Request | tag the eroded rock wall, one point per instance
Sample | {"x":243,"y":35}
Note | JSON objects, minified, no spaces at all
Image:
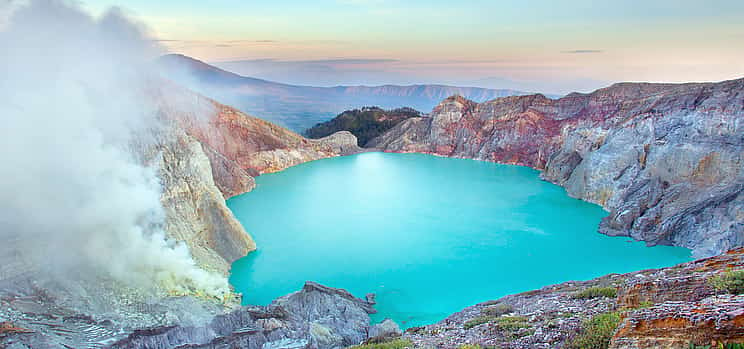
{"x":208,"y":152}
{"x":666,"y":160}
{"x":241,"y":146}
{"x":194,"y":206}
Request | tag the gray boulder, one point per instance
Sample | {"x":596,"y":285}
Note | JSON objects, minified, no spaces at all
{"x":385,"y":330}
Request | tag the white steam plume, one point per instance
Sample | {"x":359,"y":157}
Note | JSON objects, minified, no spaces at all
{"x":74,"y":107}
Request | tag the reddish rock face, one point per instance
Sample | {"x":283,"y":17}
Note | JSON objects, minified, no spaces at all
{"x":207,"y":152}
{"x":241,"y":147}
{"x":666,"y":160}
{"x":687,"y":309}
{"x":687,"y":283}
{"x":8,"y":328}
{"x":713,"y":320}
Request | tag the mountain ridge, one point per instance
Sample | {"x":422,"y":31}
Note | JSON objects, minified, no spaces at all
{"x":300,"y":107}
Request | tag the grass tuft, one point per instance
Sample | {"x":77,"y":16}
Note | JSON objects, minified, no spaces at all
{"x":498,"y":310}
{"x":477,"y":321}
{"x":596,"y":332}
{"x":596,"y":292}
{"x":393,"y":344}
{"x":512,"y":323}
{"x":731,"y":281}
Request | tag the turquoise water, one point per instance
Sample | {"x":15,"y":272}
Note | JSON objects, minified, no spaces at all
{"x":428,"y":235}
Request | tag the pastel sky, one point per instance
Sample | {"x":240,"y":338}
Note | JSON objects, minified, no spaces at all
{"x":542,"y":45}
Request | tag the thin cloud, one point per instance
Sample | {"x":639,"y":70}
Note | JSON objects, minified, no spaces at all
{"x":335,"y":61}
{"x":216,"y":42}
{"x":252,"y":41}
{"x":349,"y":61}
{"x":582,"y":51}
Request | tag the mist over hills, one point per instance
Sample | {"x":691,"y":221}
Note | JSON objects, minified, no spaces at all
{"x":301,"y":107}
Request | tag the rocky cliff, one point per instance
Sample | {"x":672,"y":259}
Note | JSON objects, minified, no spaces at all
{"x":666,"y":160}
{"x":209,"y":152}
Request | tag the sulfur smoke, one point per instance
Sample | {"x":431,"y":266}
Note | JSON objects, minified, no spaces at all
{"x":74,"y":193}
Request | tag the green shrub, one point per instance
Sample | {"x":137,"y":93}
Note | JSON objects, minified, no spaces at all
{"x":394,"y":344}
{"x":731,"y":281}
{"x":366,"y":123}
{"x":469,"y":346}
{"x":506,"y":323}
{"x":477,"y":321}
{"x":498,"y":310}
{"x":512,"y":323}
{"x":596,"y":332}
{"x":596,"y":292}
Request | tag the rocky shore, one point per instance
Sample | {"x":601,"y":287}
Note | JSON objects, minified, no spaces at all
{"x":666,"y":160}
{"x":314,"y":317}
{"x":659,"y":308}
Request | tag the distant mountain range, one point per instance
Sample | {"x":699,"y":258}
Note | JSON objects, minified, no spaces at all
{"x":301,"y":107}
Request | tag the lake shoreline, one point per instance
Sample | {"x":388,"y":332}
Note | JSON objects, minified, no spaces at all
{"x":467,"y":183}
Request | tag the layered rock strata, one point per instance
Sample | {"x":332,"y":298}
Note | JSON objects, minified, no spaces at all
{"x":241,"y":146}
{"x":666,"y":160}
{"x":208,"y":152}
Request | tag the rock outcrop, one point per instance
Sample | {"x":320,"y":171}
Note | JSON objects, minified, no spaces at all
{"x":195,"y":208}
{"x":660,"y":308}
{"x":712,"y":320}
{"x":314,"y":317}
{"x":366,"y":123}
{"x":208,"y":152}
{"x":666,"y":160}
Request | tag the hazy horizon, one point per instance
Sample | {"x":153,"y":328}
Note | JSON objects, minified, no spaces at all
{"x":284,"y":72}
{"x":577,"y":46}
